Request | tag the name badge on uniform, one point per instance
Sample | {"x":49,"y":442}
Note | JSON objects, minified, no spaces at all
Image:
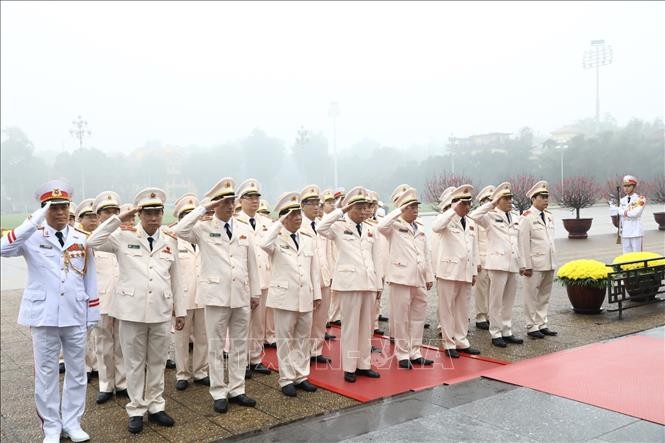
{"x":403,"y":230}
{"x":134,"y":246}
{"x":498,"y":220}
{"x":183,"y":251}
{"x":347,"y":232}
{"x":215,"y":234}
{"x":46,"y":246}
{"x":284,"y":247}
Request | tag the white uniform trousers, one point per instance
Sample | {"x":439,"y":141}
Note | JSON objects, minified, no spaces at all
{"x":537,"y":291}
{"x":454,"y":312}
{"x":46,"y":344}
{"x":195,"y":327}
{"x":218,"y":320}
{"x":408,"y":308}
{"x":481,"y":293}
{"x":319,"y":320}
{"x":257,"y":330}
{"x":109,"y":355}
{"x":631,"y":244}
{"x":270,"y":334}
{"x":143,"y":348}
{"x":91,"y":351}
{"x":503,"y":287}
{"x":335,"y":308}
{"x":293,"y":330}
{"x":357,"y":308}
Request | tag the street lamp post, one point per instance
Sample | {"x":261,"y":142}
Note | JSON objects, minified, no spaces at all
{"x":301,"y":140}
{"x":79,"y":131}
{"x":333,"y":113}
{"x":600,"y":54}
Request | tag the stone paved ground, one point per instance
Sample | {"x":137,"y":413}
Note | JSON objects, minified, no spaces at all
{"x":192,"y":408}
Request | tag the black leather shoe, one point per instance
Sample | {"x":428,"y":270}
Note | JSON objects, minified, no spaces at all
{"x":392,"y":339}
{"x":205,"y":381}
{"x":225,"y":355}
{"x":405,"y":364}
{"x":306,"y":386}
{"x":422,"y":361}
{"x":337,"y":322}
{"x":452,"y":353}
{"x":220,"y":405}
{"x":368,"y":373}
{"x":61,"y":367}
{"x":243,"y":400}
{"x":549,"y":332}
{"x":426,"y":326}
{"x":103,"y":397}
{"x":122,"y":393}
{"x":536,"y":334}
{"x":329,"y":337}
{"x":382,"y":318}
{"x":513,"y":340}
{"x":170,"y":364}
{"x":270,"y":345}
{"x":94,"y":374}
{"x":320,"y":359}
{"x":499,"y":342}
{"x":191,"y":346}
{"x":350,"y":377}
{"x":469,"y":350}
{"x":379,"y":332}
{"x":88,"y":376}
{"x":135,"y":424}
{"x":289,"y":390}
{"x":260,"y":369}
{"x":248,"y":373}
{"x":181,"y":385}
{"x":484,"y":325}
{"x":327,"y":325}
{"x":161,"y":418}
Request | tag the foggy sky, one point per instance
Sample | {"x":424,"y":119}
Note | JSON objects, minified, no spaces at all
{"x":403,"y":73}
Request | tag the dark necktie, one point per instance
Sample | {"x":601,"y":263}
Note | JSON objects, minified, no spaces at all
{"x":313,"y":226}
{"x":628,"y":199}
{"x":228,"y":230}
{"x":193,"y":247}
{"x":60,"y":239}
{"x":463,"y":221}
{"x":150,"y":240}
{"x":360,"y":231}
{"x":252,"y":222}
{"x":295,"y":240}
{"x":508,"y":217}
{"x":542,"y":217}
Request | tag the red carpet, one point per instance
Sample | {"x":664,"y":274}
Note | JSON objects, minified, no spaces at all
{"x":394,"y":380}
{"x":624,"y":375}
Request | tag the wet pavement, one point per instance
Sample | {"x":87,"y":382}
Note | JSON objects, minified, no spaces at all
{"x":478,"y":410}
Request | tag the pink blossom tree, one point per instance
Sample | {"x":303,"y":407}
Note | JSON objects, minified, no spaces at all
{"x":578,"y":193}
{"x":435,"y":185}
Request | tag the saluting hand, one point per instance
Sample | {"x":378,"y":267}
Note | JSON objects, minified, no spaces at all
{"x":179,"y":323}
{"x":128,"y":216}
{"x":213,"y":204}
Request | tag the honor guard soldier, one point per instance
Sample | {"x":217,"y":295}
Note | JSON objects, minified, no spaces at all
{"x":112,"y":376}
{"x":261,"y":323}
{"x":481,"y":290}
{"x":502,"y":263}
{"x":409,"y":276}
{"x":310,"y":202}
{"x":295,"y":290}
{"x":86,"y":219}
{"x":537,"y":260}
{"x":149,"y":291}
{"x":328,"y":204}
{"x":630,"y":212}
{"x":59,"y":303}
{"x":456,"y":269}
{"x":195,"y":326}
{"x":355,"y":279}
{"x":228,"y":289}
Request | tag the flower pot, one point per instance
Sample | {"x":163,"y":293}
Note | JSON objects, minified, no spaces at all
{"x":585,"y":299}
{"x":643,"y":288}
{"x":615,"y":220}
{"x":577,"y":227}
{"x":660,"y":219}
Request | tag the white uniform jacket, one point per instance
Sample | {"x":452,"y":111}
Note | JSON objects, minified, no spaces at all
{"x":107,"y":279}
{"x":356,"y":254}
{"x":229,"y":272}
{"x":62,"y":282}
{"x":631,"y":225}
{"x":321,"y":247}
{"x":409,"y":262}
{"x":295,"y":272}
{"x":262,"y":259}
{"x":457,"y":250}
{"x":536,"y":241}
{"x":149,"y":287}
{"x":190,"y":265}
{"x":502,"y":247}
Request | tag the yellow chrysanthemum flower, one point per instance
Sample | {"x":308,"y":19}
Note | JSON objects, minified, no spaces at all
{"x":583,"y":269}
{"x":633,"y":256}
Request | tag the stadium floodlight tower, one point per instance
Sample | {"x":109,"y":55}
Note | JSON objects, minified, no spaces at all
{"x":600,"y":54}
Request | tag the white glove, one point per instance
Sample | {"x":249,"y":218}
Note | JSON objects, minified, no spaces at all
{"x":37,"y":217}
